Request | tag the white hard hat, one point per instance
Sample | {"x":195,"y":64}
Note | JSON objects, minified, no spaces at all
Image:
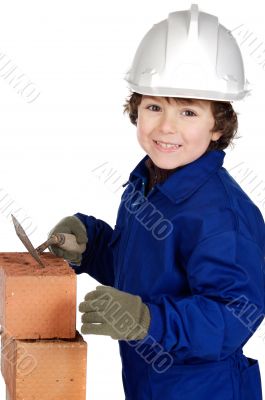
{"x":189,"y":55}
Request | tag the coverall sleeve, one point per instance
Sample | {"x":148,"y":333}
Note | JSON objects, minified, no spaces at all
{"x":97,"y":260}
{"x":226,"y":277}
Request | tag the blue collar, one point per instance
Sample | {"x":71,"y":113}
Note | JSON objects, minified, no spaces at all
{"x":183,"y":182}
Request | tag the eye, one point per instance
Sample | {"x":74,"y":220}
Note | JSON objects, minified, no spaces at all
{"x":189,"y":113}
{"x":153,"y":105}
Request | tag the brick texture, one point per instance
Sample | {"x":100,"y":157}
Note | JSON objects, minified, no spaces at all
{"x":37,"y":303}
{"x":44,"y":369}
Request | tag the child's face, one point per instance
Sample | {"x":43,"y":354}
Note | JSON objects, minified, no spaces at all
{"x":176,"y":123}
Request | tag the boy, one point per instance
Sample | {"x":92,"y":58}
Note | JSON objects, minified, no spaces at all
{"x":183,"y":269}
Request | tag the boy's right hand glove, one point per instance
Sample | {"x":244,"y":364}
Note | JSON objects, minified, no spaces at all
{"x":74,"y":226}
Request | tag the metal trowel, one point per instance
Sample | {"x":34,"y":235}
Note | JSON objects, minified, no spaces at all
{"x":65,"y":241}
{"x":25,"y":240}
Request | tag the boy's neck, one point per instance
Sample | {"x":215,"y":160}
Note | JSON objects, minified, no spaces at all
{"x":156,"y":174}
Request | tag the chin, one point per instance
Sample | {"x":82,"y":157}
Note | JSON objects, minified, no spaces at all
{"x":165,"y":165}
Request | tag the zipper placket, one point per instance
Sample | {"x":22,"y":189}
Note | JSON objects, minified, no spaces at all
{"x":130,"y":222}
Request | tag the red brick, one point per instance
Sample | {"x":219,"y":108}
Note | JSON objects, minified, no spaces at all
{"x":47,"y":369}
{"x":37,"y":302}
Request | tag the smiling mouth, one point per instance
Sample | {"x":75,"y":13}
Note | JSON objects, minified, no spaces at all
{"x":167,"y":146}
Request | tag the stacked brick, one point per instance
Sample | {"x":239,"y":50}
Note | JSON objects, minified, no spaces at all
{"x":42,"y":355}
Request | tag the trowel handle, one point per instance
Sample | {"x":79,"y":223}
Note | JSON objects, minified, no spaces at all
{"x":65,"y":241}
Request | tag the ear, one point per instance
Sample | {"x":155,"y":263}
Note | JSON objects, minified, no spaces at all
{"x":216,"y":136}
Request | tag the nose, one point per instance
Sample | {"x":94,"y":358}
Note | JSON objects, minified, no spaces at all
{"x":168,"y":123}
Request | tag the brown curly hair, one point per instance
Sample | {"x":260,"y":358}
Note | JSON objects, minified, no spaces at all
{"x":224,"y":115}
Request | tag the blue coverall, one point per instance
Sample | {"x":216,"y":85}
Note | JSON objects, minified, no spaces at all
{"x":193,"y":249}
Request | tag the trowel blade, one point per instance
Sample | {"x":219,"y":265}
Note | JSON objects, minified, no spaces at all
{"x":25,"y":240}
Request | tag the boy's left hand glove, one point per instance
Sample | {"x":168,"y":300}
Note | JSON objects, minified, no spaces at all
{"x":112,"y":312}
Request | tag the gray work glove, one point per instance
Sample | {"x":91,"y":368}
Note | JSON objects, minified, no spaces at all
{"x":112,"y":312}
{"x":74,"y":226}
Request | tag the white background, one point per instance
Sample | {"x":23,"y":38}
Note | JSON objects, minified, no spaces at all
{"x":76,"y":54}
